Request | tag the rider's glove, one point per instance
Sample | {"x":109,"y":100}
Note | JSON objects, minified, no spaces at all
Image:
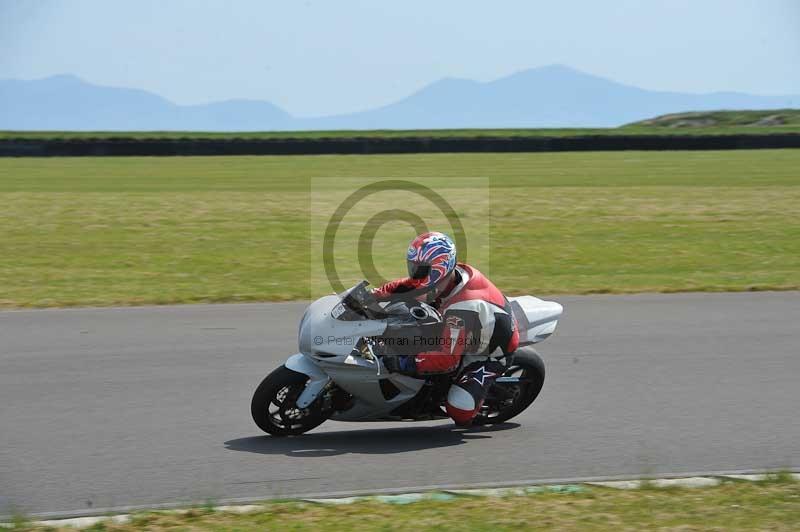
{"x":400,"y":364}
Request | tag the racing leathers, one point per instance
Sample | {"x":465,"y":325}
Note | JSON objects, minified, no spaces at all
{"x":477,"y":321}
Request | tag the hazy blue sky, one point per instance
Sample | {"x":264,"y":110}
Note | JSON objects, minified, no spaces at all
{"x":322,"y":57}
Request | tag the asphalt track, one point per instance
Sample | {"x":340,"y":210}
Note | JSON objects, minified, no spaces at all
{"x":105,"y":408}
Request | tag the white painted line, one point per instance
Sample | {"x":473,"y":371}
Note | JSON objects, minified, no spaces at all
{"x":404,"y":498}
{"x":687,"y":482}
{"x":751,"y":478}
{"x":491,"y":492}
{"x":85,"y":522}
{"x":241,"y":509}
{"x":690,"y":482}
{"x":340,"y":500}
{"x":759,"y":476}
{"x":619,"y":484}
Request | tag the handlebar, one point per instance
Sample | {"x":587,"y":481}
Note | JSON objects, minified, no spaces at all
{"x":360,"y":301}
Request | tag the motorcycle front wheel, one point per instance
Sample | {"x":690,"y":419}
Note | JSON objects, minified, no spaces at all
{"x":274,"y":405}
{"x":506,"y":400}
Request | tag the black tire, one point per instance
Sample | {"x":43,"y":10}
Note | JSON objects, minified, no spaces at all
{"x":280,"y":389}
{"x":527,"y":362}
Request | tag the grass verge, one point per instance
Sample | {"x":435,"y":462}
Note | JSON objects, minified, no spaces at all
{"x":140,"y":230}
{"x":773,"y":504}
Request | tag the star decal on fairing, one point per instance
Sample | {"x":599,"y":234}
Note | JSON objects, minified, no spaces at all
{"x":480,"y":375}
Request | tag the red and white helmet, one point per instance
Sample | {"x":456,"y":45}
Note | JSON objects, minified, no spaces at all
{"x":431,"y":258}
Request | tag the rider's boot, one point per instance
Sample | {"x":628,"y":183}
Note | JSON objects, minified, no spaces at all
{"x":466,"y":396}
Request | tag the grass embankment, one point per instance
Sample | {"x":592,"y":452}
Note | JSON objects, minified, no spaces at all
{"x":690,"y":123}
{"x":769,"y":505}
{"x":775,"y":120}
{"x":120,"y":231}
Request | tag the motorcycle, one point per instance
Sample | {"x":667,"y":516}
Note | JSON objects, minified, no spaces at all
{"x":339,"y":372}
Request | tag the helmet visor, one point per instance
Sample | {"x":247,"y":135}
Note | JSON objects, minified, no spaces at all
{"x":418,"y":270}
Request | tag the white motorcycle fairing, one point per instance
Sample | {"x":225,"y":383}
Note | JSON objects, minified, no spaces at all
{"x":537,"y":318}
{"x":326,"y":346}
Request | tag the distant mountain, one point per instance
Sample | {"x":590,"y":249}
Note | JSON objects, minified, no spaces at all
{"x":68,"y":103}
{"x":552,"y":96}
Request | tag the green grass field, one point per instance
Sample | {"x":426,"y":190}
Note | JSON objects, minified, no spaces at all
{"x":123,"y":231}
{"x":766,"y":505}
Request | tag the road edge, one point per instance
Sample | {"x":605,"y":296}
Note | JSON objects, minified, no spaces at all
{"x":122,"y":515}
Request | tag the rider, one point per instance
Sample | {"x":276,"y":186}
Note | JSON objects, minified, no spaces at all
{"x":477,"y":321}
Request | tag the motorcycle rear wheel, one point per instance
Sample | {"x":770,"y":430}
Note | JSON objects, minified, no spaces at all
{"x":274,"y":407}
{"x":527,"y":365}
